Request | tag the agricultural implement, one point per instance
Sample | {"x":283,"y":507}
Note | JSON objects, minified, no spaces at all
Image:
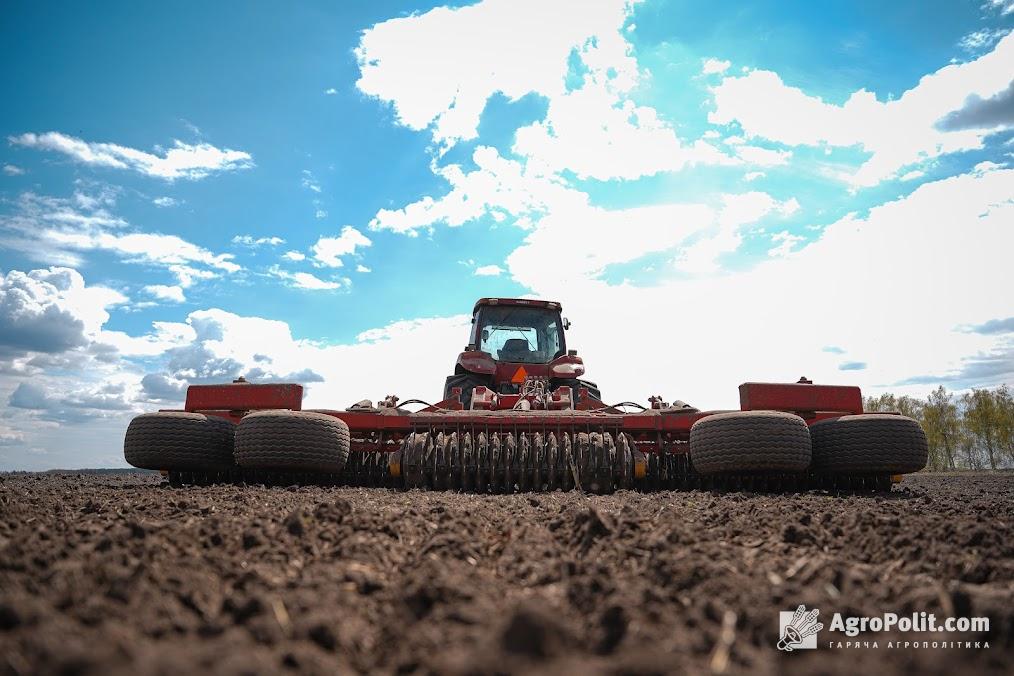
{"x":516,"y":415}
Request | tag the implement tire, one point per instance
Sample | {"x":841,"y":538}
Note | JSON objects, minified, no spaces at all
{"x":870,"y":443}
{"x":301,"y":441}
{"x":750,"y":441}
{"x":179,"y":441}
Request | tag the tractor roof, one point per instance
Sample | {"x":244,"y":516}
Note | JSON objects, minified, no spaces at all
{"x":551,"y":305}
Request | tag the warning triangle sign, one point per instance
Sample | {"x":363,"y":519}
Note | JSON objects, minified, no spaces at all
{"x":519,"y":375}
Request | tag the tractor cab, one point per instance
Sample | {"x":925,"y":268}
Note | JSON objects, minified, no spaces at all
{"x":517,"y":345}
{"x":523,"y":334}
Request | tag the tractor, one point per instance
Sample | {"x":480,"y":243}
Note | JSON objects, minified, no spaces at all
{"x":516,"y":416}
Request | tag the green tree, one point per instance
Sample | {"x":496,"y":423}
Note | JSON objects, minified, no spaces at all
{"x":942,"y":423}
{"x":982,"y":420}
{"x":1005,"y":420}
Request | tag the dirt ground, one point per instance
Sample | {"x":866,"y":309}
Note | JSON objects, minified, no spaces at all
{"x":117,"y":574}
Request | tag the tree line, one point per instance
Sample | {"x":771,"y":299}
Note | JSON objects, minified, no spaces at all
{"x":971,"y":431}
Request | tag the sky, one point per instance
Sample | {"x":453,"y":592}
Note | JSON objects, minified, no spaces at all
{"x":318,"y":192}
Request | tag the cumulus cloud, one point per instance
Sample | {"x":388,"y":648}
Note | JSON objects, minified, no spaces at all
{"x":379,"y":362}
{"x":164,"y":202}
{"x":50,"y":310}
{"x":305,"y":280}
{"x":498,"y":186}
{"x":251,"y":241}
{"x":162,"y":388}
{"x":79,"y":406}
{"x":912,"y":236}
{"x":897,"y":133}
{"x":714,"y":66}
{"x":163,"y":292}
{"x":439,"y":68}
{"x":182,"y":160}
{"x":329,"y":250}
{"x":13,"y":170}
{"x":294,"y":256}
{"x":488,"y":271}
{"x":980,"y":113}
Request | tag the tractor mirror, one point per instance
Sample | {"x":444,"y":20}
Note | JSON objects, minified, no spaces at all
{"x":485,"y":335}
{"x":566,"y":323}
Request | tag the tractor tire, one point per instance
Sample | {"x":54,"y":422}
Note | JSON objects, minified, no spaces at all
{"x":466,"y":381}
{"x":743,"y":442}
{"x":300,"y":441}
{"x":175,"y":440}
{"x":868,"y":444}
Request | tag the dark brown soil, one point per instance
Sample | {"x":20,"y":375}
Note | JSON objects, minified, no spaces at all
{"x":117,"y":574}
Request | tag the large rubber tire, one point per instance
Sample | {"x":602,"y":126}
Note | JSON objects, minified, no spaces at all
{"x":466,"y":381}
{"x":292,"y":441}
{"x":175,"y":440}
{"x":868,"y":444}
{"x":749,"y":441}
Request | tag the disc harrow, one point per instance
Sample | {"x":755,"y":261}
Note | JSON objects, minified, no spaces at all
{"x":517,"y":417}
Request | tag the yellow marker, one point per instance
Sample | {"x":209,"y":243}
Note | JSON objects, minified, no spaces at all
{"x":896,"y":478}
{"x":640,"y":469}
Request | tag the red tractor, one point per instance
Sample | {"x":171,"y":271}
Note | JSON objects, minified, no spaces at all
{"x":516,"y":416}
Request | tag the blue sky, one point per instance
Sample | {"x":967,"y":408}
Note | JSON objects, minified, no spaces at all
{"x":724,"y":193}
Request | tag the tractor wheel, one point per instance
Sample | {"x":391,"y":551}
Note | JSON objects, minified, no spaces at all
{"x":466,"y":381}
{"x":289,"y":441}
{"x":868,"y":444}
{"x":749,"y":441}
{"x":179,"y":441}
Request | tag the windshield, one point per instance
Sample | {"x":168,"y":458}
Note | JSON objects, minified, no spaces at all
{"x":520,"y":334}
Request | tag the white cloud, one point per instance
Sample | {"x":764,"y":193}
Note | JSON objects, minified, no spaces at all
{"x":248,"y":240}
{"x":379,"y":362}
{"x":982,"y":39}
{"x":1003,"y":6}
{"x":154,"y":248}
{"x":329,"y":250}
{"x":753,"y":175}
{"x":597,"y":133}
{"x":182,"y":160}
{"x":726,"y":236}
{"x":498,"y":185}
{"x":363,"y":268}
{"x":164,"y":202}
{"x":59,"y":229}
{"x":310,"y":182}
{"x":330,"y":91}
{"x":714,"y":66}
{"x":911,"y":238}
{"x":320,"y":214}
{"x":51,"y":310}
{"x":163,"y":292}
{"x":763,"y":157}
{"x":787,"y":242}
{"x":13,"y":170}
{"x":305,"y":280}
{"x":488,"y":271}
{"x":164,"y":337}
{"x":898,"y":133}
{"x":439,"y":68}
{"x":294,"y":256}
